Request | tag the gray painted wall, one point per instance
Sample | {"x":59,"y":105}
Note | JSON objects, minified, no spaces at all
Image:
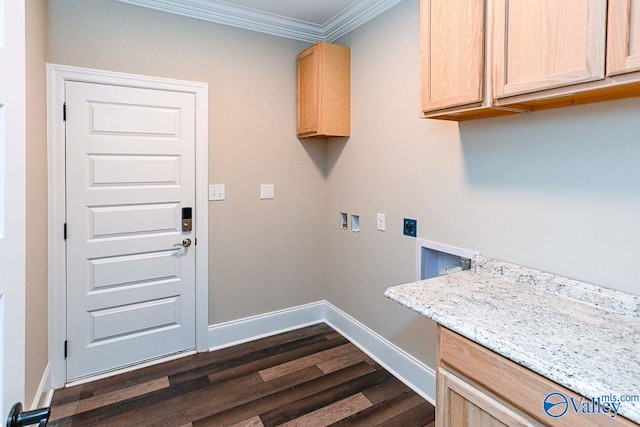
{"x":557,"y":190}
{"x":263,"y":255}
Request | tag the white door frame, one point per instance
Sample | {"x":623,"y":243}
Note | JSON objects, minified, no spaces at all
{"x":12,"y":205}
{"x":57,"y":75}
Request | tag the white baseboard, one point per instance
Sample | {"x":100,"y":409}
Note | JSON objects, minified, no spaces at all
{"x":44,"y":394}
{"x":239,"y":331}
{"x":415,"y":374}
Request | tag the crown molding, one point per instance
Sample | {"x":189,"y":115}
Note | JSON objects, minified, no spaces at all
{"x":255,"y":20}
{"x":354,"y":16}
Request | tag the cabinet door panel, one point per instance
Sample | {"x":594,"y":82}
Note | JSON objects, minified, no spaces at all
{"x":465,"y":413}
{"x":623,"y":43}
{"x":543,"y":44}
{"x":463,"y":405}
{"x":452,"y":44}
{"x":308,"y":92}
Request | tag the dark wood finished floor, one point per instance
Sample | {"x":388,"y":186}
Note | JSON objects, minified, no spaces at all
{"x":308,"y":377}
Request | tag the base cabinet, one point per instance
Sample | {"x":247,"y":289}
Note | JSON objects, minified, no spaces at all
{"x":477,"y":387}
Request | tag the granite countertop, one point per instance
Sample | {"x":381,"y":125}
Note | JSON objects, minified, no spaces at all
{"x":581,"y":336}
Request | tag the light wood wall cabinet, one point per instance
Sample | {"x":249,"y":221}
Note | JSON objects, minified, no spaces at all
{"x":452,"y":41}
{"x":623,"y":54}
{"x":543,"y":44}
{"x":324,"y":95}
{"x":535,"y":54}
{"x":477,"y":387}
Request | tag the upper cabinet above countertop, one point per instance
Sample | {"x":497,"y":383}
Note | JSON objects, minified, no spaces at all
{"x":484,"y":58}
{"x":452,"y":53}
{"x":623,"y":38}
{"x":324,"y":82}
{"x":544,"y":44}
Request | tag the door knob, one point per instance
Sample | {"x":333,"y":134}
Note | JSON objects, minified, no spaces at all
{"x":185,"y":243}
{"x":18,"y":418}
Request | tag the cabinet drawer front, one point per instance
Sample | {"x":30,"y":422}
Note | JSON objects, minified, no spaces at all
{"x":452,"y":44}
{"x":623,"y":38}
{"x":544,"y":44}
{"x":511,"y":382}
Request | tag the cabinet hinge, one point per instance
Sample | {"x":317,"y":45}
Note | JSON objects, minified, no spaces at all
{"x":65,"y":349}
{"x":64,"y":111}
{"x":64,"y":231}
{"x":195,"y":241}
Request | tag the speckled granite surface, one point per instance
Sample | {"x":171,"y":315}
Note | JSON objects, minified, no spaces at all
{"x":581,"y":336}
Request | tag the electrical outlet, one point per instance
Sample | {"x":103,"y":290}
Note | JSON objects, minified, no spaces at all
{"x":410,"y":227}
{"x":381,"y":222}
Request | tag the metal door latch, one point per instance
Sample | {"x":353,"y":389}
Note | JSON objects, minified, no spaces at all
{"x":185,"y":243}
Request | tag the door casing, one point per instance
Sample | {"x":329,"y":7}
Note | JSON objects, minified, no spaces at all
{"x":13,"y":168}
{"x":57,"y":76}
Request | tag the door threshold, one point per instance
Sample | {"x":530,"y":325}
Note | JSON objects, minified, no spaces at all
{"x":130,"y":368}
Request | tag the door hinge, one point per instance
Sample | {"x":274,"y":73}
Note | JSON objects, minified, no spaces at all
{"x":65,"y":349}
{"x":64,"y":231}
{"x":64,"y":111}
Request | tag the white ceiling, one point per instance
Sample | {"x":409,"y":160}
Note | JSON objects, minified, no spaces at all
{"x":306,"y":20}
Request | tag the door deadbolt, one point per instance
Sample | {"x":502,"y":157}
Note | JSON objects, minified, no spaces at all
{"x":187,"y":222}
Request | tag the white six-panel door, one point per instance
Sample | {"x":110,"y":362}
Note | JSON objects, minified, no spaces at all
{"x":130,"y":169}
{"x":12,"y":204}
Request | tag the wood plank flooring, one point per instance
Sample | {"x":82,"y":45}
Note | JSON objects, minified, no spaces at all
{"x":307,"y":377}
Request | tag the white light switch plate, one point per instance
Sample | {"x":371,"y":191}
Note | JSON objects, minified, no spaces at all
{"x":216,"y":192}
{"x":267,"y":191}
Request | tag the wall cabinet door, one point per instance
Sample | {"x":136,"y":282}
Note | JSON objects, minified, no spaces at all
{"x":544,"y":44}
{"x":324,"y":79}
{"x":452,"y":53}
{"x":623,"y":42}
{"x":308,"y":91}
